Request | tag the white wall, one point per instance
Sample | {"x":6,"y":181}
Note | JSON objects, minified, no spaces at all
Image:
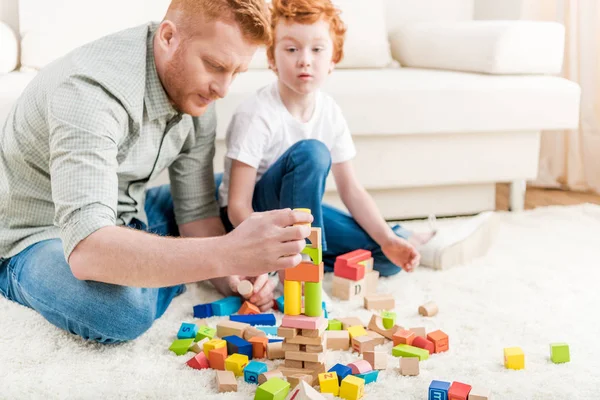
{"x":499,"y":9}
{"x":9,"y":13}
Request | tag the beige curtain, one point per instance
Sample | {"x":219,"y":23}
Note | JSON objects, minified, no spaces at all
{"x":571,"y":159}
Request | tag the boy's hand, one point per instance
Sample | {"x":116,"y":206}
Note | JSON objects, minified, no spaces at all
{"x":262,"y":294}
{"x":401,"y":253}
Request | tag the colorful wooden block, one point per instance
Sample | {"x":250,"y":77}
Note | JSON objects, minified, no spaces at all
{"x":274,"y":350}
{"x":324,"y":307}
{"x":403,"y":336}
{"x":363,"y":343}
{"x":228,"y":328}
{"x":216,"y":358}
{"x":404,"y":350}
{"x":352,"y":388}
{"x":245,"y":288}
{"x":292,"y":292}
{"x":199,"y":361}
{"x":356,"y":331}
{"x":203,"y":310}
{"x":205,"y":332}
{"x":347,"y":289}
{"x":376,"y":325}
{"x":313,"y":305}
{"x":198,"y":347}
{"x":337,"y":340}
{"x":280,"y":303}
{"x":269,"y":330}
{"x":350,"y":321}
{"x":187,"y":331}
{"x":438,"y":390}
{"x":214,"y":344}
{"x":253,"y":370}
{"x":360,"y":367}
{"x":314,"y":239}
{"x":251,"y":332}
{"x":226,"y":381}
{"x":303,"y":391}
{"x":275,"y":339}
{"x":514,"y":358}
{"x":315,"y":254}
{"x":256,"y":319}
{"x":226,"y":306}
{"x":428,"y":309}
{"x":235,"y":344}
{"x":369,"y":377}
{"x":306,"y":271}
{"x":273,"y":389}
{"x":312,"y":333}
{"x":353,"y":272}
{"x":351,"y":259}
{"x":329,"y":383}
{"x":334,"y":325}
{"x":181,"y":346}
{"x":259,"y":346}
{"x":302,"y":322}
{"x":248,"y":309}
{"x":389,"y":319}
{"x":439,"y":340}
{"x":423,"y":344}
{"x":379,"y":302}
{"x":559,"y":353}
{"x":236,"y":363}
{"x":409,"y":366}
{"x":377,"y":359}
{"x":376,"y":337}
{"x":459,"y":391}
{"x":341,"y":370}
{"x":368,"y":264}
{"x":265,"y":376}
{"x":480,"y":393}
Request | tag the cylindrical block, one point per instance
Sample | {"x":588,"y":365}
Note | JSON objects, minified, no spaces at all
{"x":245,"y":288}
{"x":292,"y":297}
{"x":428,"y":309}
{"x":313,"y":306}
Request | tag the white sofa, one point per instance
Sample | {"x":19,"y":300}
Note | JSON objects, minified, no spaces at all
{"x":463,"y":112}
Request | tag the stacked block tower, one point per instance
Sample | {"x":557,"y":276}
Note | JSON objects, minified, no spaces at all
{"x":303,"y":328}
{"x":353,"y":275}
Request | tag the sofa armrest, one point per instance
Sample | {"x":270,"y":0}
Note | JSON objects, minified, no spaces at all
{"x":9,"y":49}
{"x":492,"y":47}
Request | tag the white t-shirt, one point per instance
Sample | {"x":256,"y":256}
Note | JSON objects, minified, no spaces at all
{"x":262,"y":129}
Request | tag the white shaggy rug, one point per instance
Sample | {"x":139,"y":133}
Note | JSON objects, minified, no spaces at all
{"x":538,"y":284}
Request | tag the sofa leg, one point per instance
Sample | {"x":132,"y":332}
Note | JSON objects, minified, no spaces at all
{"x":517,"y":195}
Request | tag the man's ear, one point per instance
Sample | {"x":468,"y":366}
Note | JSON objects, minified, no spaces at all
{"x":168,"y":36}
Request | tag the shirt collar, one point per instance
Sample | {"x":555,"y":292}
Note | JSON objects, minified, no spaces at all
{"x":156,"y":100}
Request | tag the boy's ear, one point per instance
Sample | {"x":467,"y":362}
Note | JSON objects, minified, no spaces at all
{"x":272,"y":65}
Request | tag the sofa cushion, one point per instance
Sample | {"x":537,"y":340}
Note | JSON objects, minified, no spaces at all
{"x":9,"y":49}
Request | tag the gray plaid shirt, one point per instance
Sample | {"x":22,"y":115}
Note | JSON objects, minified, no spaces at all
{"x":85,"y":137}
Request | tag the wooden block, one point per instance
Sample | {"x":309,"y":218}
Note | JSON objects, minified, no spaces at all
{"x":286,"y":371}
{"x":428,"y":309}
{"x":559,"y":353}
{"x":304,"y":391}
{"x":313,"y":333}
{"x":318,"y":367}
{"x":338,"y":340}
{"x":314,"y":239}
{"x":187,"y":331}
{"x":252,"y":332}
{"x":287,"y":333}
{"x":459,"y":391}
{"x":302,"y":340}
{"x":354,"y":272}
{"x":313,"y":304}
{"x":295,"y":379}
{"x":198,"y":347}
{"x":181,"y":346}
{"x":290,"y":346}
{"x":265,"y":376}
{"x":409,"y":366}
{"x":302,"y":321}
{"x":328,"y":382}
{"x":347,"y":289}
{"x":306,"y":271}
{"x":236,"y":363}
{"x":404,"y":350}
{"x":275,"y":351}
{"x":199,"y":361}
{"x":216,"y":358}
{"x":376,"y":324}
{"x":403,"y":336}
{"x":377,"y":359}
{"x":293,"y":363}
{"x":360,"y":367}
{"x":356,"y":331}
{"x":379,"y":302}
{"x":352,"y":388}
{"x":363,"y":343}
{"x":230,"y":328}
{"x":334,"y":325}
{"x":350,"y":321}
{"x":315,"y":254}
{"x":377,"y":338}
{"x":255,"y":319}
{"x":253,"y":370}
{"x":423,"y":344}
{"x":514,"y":358}
{"x":226,"y":306}
{"x":389,"y":319}
{"x":205,"y":332}
{"x":300,"y":356}
{"x":369,"y":377}
{"x":438,"y":389}
{"x":248,"y":309}
{"x":420,"y":331}
{"x":245,"y":289}
{"x":305,"y":210}
{"x":292,"y":293}
{"x":480,"y":393}
{"x":226,"y":381}
{"x":371,"y":282}
{"x":214,"y":344}
{"x":439,"y":340}
{"x":353,"y":257}
{"x":368,"y":264}
{"x":259,"y":346}
{"x":315,"y":349}
{"x":273,"y":389}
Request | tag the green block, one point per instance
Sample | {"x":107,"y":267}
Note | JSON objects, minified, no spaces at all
{"x":313,"y":306}
{"x":316,"y":255}
{"x":334,"y":325}
{"x":389,"y":319}
{"x":181,"y":346}
{"x":273,"y":389}
{"x":559,"y":353}
{"x":205,"y":332}
{"x":404,"y":350}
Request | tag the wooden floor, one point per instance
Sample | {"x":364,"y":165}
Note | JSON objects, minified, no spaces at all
{"x":536,"y":197}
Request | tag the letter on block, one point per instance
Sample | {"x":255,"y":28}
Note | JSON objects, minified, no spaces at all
{"x":187,"y":331}
{"x":329,"y":383}
{"x":438,"y":390}
{"x":236,"y":363}
{"x":253,"y":370}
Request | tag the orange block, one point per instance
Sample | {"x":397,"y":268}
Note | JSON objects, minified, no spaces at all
{"x":248,"y":308}
{"x":440,"y":341}
{"x":306,"y":271}
{"x":403,"y":336}
{"x":216,"y":358}
{"x":259,"y":346}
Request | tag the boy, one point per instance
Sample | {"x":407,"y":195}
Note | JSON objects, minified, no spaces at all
{"x":283,"y":141}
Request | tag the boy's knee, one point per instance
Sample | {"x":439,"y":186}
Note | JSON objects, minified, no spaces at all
{"x":314,"y":152}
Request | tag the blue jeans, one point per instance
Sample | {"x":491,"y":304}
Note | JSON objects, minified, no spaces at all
{"x":297,"y":180}
{"x":40,"y":278}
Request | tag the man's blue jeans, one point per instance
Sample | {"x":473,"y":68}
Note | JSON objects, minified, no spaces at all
{"x":297,"y":180}
{"x":40,"y":278}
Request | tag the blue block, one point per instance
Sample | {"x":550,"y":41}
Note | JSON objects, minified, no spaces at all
{"x":438,"y":390}
{"x":342,"y":371}
{"x":269,"y":330}
{"x":273,"y":340}
{"x":236,"y":344}
{"x":226,"y":306}
{"x":203,"y":311}
{"x":369,"y":377}
{"x":187,"y":331}
{"x":256,"y":319}
{"x":253,"y":370}
{"x":279,"y":302}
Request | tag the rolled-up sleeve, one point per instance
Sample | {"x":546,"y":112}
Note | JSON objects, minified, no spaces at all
{"x":86,"y":124}
{"x":192,"y":175}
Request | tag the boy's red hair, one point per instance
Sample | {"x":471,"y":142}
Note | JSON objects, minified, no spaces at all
{"x":309,"y":12}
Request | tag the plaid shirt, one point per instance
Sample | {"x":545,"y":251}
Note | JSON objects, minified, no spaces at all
{"x":85,"y":137}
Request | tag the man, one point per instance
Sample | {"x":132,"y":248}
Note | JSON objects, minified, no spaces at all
{"x":79,"y":234}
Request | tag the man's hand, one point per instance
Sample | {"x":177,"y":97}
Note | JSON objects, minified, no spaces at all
{"x":262,"y":294}
{"x":401,"y":253}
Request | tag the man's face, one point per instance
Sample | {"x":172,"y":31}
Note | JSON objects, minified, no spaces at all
{"x":303,"y":55}
{"x":199,"y":69}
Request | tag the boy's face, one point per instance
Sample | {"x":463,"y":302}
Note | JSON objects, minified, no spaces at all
{"x":303,"y":55}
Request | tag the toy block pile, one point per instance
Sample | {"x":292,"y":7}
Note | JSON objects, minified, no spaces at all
{"x":353,"y":275}
{"x":439,"y":390}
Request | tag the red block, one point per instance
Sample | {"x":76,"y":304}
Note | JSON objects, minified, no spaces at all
{"x":354,"y":272}
{"x":199,"y":361}
{"x":459,"y":391}
{"x":423,"y":343}
{"x":354,"y":257}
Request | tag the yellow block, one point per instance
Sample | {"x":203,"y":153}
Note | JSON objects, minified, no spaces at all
{"x":292,"y":293}
{"x":236,"y":363}
{"x":213,"y":344}
{"x":514,"y":358}
{"x":353,"y":388}
{"x":328,"y":382}
{"x":306,"y":210}
{"x":356,"y":331}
